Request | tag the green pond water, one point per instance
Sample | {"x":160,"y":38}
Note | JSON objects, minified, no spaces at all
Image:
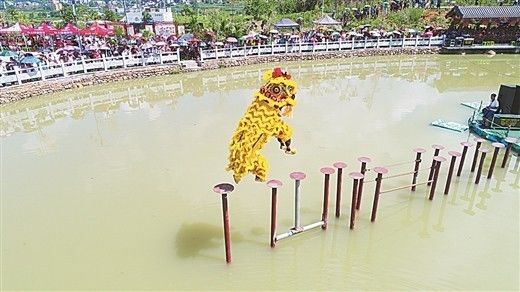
{"x":110,"y":187}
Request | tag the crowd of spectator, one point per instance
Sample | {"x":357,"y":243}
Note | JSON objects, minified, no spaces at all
{"x":503,"y":33}
{"x":57,"y":49}
{"x":53,"y":50}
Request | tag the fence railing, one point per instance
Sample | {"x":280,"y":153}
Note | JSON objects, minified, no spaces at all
{"x":299,"y":47}
{"x":43,"y":71}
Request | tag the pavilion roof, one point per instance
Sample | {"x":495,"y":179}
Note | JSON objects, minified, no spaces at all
{"x":326,"y":20}
{"x":490,"y":12}
{"x":286,"y":23}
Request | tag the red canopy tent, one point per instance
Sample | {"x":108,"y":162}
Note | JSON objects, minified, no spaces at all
{"x":16,"y":28}
{"x":32,"y":31}
{"x":69,"y":29}
{"x":47,"y":29}
{"x":96,"y":30}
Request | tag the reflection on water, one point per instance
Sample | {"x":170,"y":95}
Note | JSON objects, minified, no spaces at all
{"x":192,"y":239}
{"x":444,"y":74}
{"x":440,"y":226}
{"x":471,"y":203}
{"x":516,"y":170}
{"x":427,"y":209}
{"x":484,"y":194}
{"x":109,"y":187}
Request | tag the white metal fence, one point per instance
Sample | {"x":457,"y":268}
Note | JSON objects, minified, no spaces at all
{"x":288,"y":48}
{"x":47,"y":71}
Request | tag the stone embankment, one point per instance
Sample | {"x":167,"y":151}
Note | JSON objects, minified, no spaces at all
{"x":27,"y":90}
{"x":223,"y":63}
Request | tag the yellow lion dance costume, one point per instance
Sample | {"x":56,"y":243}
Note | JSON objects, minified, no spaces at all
{"x":261,"y":121}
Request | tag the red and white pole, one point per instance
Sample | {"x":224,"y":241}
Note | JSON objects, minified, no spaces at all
{"x":497,"y":147}
{"x":510,"y":141}
{"x":224,"y":189}
{"x":465,"y":146}
{"x":364,"y":160}
{"x":483,"y":152}
{"x":339,"y":181}
{"x":327,"y":171}
{"x":437,"y":167}
{"x":437,"y":149}
{"x":479,"y":142}
{"x":419,"y":151}
{"x":380,"y":171}
{"x":274,"y":185}
{"x":356,"y":176}
{"x":454,"y":155}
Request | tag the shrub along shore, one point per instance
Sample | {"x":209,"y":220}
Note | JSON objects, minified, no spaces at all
{"x":34,"y":89}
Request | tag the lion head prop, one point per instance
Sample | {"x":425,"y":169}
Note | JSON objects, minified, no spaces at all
{"x":262,"y":120}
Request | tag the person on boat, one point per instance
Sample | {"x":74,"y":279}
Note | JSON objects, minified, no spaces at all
{"x":490,"y":110}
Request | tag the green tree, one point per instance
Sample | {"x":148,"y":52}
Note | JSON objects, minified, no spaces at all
{"x":54,"y":14}
{"x":258,"y":9}
{"x":119,"y":31}
{"x":187,"y":10}
{"x":110,"y":15}
{"x":88,"y":14}
{"x":14,"y":15}
{"x":147,"y":35}
{"x":287,"y":6}
{"x":83,"y":13}
{"x":221,"y":23}
{"x":67,"y":15}
{"x":31,"y":16}
{"x":42,"y":14}
{"x":306,"y":5}
{"x":147,"y":17}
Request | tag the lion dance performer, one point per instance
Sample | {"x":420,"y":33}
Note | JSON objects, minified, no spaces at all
{"x":261,"y":121}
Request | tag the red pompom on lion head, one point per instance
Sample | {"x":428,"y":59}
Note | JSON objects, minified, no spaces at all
{"x":277,"y":72}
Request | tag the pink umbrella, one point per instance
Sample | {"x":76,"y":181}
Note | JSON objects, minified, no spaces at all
{"x":231,"y":40}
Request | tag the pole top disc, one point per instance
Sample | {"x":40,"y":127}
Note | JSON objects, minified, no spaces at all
{"x":466,"y":144}
{"x":223,"y":188}
{"x":419,"y":150}
{"x":356,"y":175}
{"x":340,"y":164}
{"x":439,"y":158}
{"x":274,"y":183}
{"x":454,"y":153}
{"x":498,"y":145}
{"x":380,"y":170}
{"x":327,"y":170}
{"x":510,"y":139}
{"x":297,"y":175}
{"x":437,"y":147}
{"x":483,"y":150}
{"x":364,"y":159}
